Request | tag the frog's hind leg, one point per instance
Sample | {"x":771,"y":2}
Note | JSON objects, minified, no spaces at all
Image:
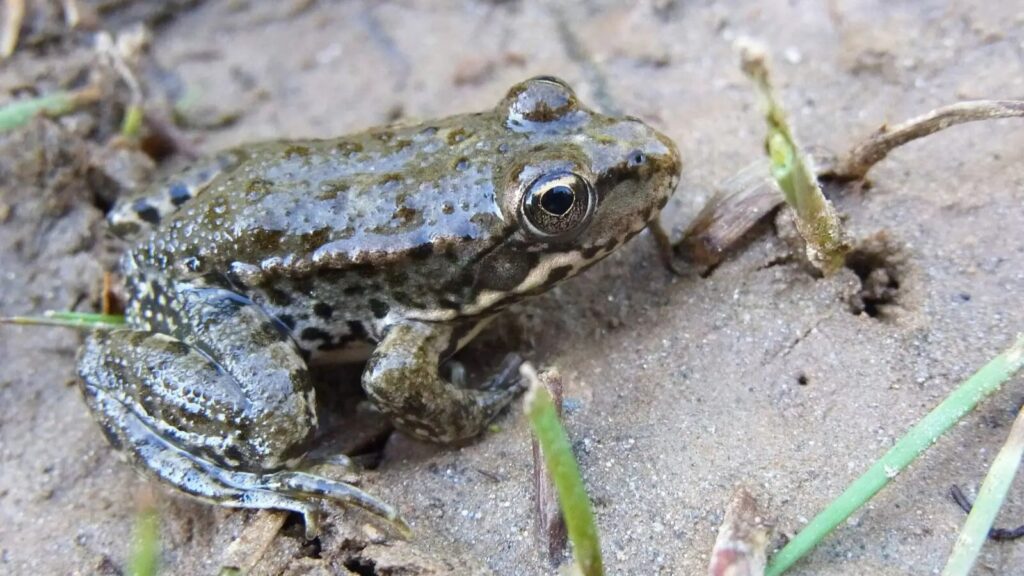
{"x":162,"y":199}
{"x":194,"y":422}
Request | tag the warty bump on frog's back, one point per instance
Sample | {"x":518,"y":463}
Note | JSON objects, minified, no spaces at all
{"x":427,"y":210}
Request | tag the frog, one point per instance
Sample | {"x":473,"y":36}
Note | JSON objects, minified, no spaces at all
{"x":394,"y":246}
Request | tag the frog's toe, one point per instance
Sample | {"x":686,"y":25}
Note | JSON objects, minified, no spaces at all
{"x":305,"y":485}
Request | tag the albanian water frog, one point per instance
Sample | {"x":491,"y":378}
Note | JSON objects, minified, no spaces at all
{"x":393,"y":246}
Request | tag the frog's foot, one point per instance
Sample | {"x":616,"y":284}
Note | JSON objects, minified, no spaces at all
{"x":402,"y":379}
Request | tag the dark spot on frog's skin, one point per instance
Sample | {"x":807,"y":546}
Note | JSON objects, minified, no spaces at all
{"x":611,"y":244}
{"x":258,"y":186}
{"x":265,"y":241}
{"x":323,"y":310}
{"x":146,"y":212}
{"x":503,"y":270}
{"x":330,"y":189}
{"x":458,"y":135}
{"x":303,"y":285}
{"x":314,"y":333}
{"x":405,"y":299}
{"x":591,"y":251}
{"x":391,"y":179}
{"x":379,"y":309}
{"x":315,"y":239}
{"x":288,"y":320}
{"x":179,"y":193}
{"x":662,"y":202}
{"x":349,"y":149}
{"x":353,"y":290}
{"x":429,"y":131}
{"x":231,"y":453}
{"x":558,"y":274}
{"x":356,"y":330}
{"x":447,"y":208}
{"x":278,"y":297}
{"x":295,"y":150}
{"x":462,"y":164}
{"x":405,"y":215}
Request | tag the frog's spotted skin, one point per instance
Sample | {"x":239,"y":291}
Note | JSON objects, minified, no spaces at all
{"x":397,"y":244}
{"x":148,"y":210}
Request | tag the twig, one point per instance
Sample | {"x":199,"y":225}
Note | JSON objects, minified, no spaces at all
{"x":15,"y":14}
{"x":990,"y":499}
{"x":550,"y":523}
{"x":742,"y":539}
{"x":922,"y":435}
{"x":997,"y":534}
{"x":565,"y":472}
{"x":246,"y":551}
{"x":739,"y":203}
{"x":855,"y":165}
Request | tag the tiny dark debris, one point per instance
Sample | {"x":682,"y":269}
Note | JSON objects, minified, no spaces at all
{"x":802,"y":379}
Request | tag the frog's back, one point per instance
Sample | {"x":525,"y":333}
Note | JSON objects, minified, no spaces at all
{"x":301,"y":206}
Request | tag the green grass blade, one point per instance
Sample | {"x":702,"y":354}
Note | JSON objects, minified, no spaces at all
{"x":817,"y":220}
{"x":565,"y":472}
{"x":958,"y":403}
{"x":15,"y":114}
{"x":145,"y":560}
{"x":82,"y":320}
{"x":990,"y":500}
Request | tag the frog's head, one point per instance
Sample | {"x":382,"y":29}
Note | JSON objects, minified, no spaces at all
{"x":573,"y":186}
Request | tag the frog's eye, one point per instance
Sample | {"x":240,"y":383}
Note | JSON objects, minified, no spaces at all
{"x":540,"y":100}
{"x":558,"y":205}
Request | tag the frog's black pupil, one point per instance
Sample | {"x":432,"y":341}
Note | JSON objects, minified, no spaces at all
{"x":557,"y":200}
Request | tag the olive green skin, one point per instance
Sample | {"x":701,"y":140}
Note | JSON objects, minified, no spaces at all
{"x":401,"y":241}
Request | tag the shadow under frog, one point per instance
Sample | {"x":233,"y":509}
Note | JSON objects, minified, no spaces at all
{"x":394,"y":246}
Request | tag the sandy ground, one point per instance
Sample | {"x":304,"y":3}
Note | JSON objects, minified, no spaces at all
{"x":679,"y":388}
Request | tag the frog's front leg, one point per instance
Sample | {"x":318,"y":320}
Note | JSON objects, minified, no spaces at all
{"x":402,"y":380}
{"x":221,"y":406}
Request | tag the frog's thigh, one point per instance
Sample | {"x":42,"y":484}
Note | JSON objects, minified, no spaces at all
{"x":179,"y":416}
{"x":185,"y":402}
{"x":263,"y":363}
{"x":402,"y":380}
